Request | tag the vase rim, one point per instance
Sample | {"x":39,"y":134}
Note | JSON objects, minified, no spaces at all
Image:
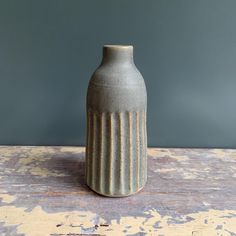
{"x":118,"y":46}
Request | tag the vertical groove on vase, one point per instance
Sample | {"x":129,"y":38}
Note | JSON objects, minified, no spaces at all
{"x":111,"y":161}
{"x":121,"y":152}
{"x":101,"y":154}
{"x":99,"y":157}
{"x":143,"y":158}
{"x":141,"y":147}
{"x":91,"y":125}
{"x":138,"y":149}
{"x":96,"y":134}
{"x":94,"y":151}
{"x":116,"y":154}
{"x":106,"y":153}
{"x":130,"y":156}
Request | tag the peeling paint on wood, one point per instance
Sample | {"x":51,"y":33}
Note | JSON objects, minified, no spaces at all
{"x":190,"y":192}
{"x":6,"y":198}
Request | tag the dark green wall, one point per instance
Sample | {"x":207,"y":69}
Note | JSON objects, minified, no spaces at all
{"x":186,"y":51}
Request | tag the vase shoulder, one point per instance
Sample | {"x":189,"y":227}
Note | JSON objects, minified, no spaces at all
{"x":116,"y":85}
{"x":117,"y":75}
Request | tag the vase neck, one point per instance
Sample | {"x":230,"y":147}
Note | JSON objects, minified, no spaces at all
{"x":117,"y":54}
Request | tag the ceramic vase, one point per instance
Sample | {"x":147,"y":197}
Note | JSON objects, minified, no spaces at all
{"x":116,"y":146}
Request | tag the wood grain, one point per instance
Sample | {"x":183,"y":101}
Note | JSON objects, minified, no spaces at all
{"x":189,"y":192}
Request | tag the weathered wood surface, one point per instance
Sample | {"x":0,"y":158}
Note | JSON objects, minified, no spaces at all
{"x":190,"y":192}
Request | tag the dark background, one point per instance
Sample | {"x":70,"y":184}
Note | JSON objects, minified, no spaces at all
{"x":186,"y":51}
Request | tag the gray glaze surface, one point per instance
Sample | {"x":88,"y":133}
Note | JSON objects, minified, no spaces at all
{"x":116,"y":146}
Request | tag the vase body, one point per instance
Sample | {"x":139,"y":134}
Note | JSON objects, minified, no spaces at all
{"x":116,"y":146}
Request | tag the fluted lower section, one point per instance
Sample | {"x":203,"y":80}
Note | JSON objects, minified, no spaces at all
{"x":116,"y":157}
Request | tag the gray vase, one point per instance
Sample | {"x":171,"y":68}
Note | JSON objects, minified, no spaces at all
{"x":116,"y":148}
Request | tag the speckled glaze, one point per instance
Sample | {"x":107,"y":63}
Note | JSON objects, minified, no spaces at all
{"x":116,"y":149}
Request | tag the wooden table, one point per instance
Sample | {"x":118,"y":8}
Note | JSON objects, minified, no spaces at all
{"x":190,"y":192}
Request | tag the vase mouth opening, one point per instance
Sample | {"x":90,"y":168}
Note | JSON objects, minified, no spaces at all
{"x":118,"y":47}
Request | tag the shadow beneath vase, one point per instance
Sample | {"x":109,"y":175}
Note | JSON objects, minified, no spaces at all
{"x":71,"y":166}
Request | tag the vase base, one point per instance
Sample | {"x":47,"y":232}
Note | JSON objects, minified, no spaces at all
{"x":116,"y":196}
